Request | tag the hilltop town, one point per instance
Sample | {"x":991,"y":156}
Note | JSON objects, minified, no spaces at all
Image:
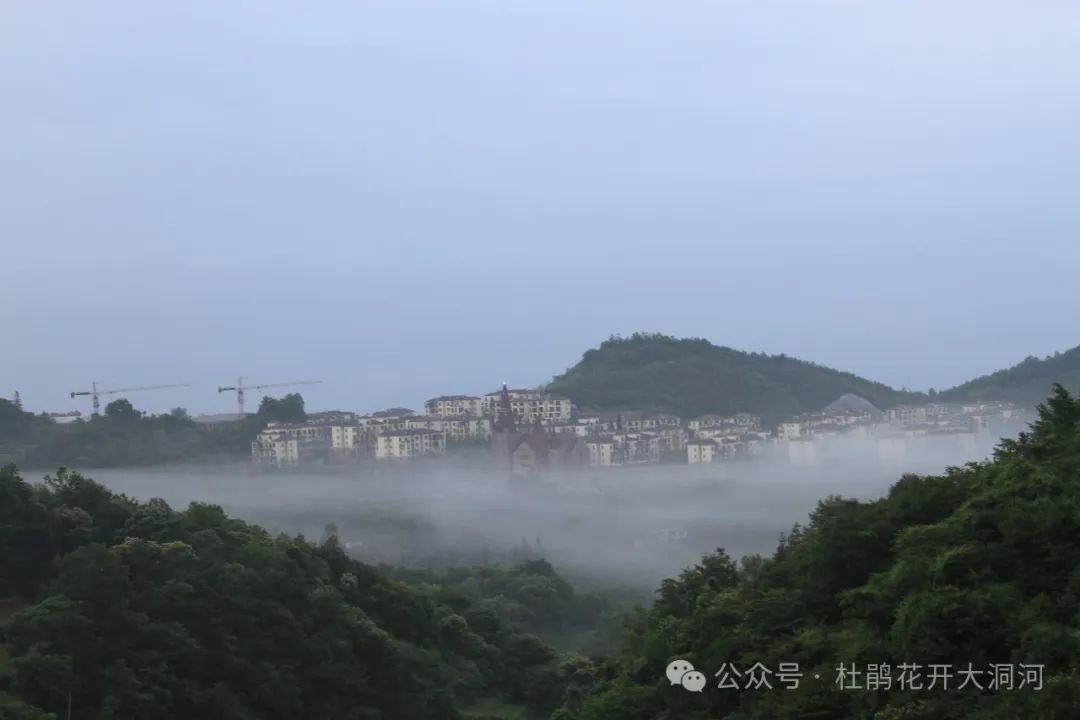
{"x":532,"y":431}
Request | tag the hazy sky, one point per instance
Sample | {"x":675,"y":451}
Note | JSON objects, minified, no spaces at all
{"x":412,"y":198}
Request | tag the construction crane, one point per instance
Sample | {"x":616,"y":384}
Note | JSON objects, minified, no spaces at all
{"x":240,"y":388}
{"x":95,"y":393}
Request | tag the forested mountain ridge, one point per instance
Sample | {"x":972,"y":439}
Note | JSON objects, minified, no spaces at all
{"x":690,"y":377}
{"x":134,"y":609}
{"x":1025,"y":383}
{"x":971,"y":569}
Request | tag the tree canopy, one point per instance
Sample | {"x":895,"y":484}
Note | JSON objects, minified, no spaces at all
{"x":288,"y":409}
{"x":971,"y":569}
{"x":138,"y":610}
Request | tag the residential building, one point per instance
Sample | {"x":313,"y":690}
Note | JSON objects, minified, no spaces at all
{"x":282,"y":444}
{"x":582,"y":427}
{"x":454,"y":406}
{"x":330,"y":417}
{"x":623,"y":448}
{"x":906,"y":415}
{"x":275,"y":451}
{"x":457,"y":428}
{"x":742,"y":421}
{"x":629,"y":420}
{"x":672,"y":439}
{"x":602,"y":450}
{"x":64,"y":418}
{"x":410,"y":444}
{"x":353,"y":439}
{"x":700,"y":452}
{"x":530,"y":406}
{"x":789,"y":430}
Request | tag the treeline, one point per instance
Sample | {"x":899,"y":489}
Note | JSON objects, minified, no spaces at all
{"x":123,"y":435}
{"x":976,"y":568}
{"x":1025,"y":383}
{"x":131,"y":609}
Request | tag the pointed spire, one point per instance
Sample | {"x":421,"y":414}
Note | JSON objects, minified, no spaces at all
{"x":504,"y":420}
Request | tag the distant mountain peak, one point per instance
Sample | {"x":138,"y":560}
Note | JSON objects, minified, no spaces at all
{"x":691,"y":377}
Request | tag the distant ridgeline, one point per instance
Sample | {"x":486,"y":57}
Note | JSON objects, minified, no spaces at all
{"x":1025,"y":383}
{"x":691,"y":377}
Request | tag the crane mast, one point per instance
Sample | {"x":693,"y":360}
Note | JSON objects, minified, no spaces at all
{"x":239,"y":388}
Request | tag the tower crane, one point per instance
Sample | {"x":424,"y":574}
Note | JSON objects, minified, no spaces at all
{"x":95,"y":393}
{"x":239,"y":388}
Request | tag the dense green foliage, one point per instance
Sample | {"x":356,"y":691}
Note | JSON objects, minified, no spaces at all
{"x":1025,"y":383}
{"x":287,"y":409}
{"x":142,"y":611}
{"x":132,"y":609}
{"x":690,"y":377}
{"x":531,"y":598}
{"x":122,"y":435}
{"x":980,"y":565}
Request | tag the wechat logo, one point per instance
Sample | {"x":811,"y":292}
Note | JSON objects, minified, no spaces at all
{"x":681,"y":672}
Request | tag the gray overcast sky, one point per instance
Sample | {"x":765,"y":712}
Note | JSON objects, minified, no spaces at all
{"x":410,"y":198}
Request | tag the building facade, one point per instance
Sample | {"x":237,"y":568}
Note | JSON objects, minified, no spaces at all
{"x":402,"y":444}
{"x":454,"y":406}
{"x":530,"y":407}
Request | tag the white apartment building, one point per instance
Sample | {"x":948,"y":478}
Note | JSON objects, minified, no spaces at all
{"x":623,"y":448}
{"x":917,"y":414}
{"x":410,"y":444}
{"x":743,"y":421}
{"x":284,"y":444}
{"x":354,"y":439}
{"x":529,"y":406}
{"x":700,"y":452}
{"x":703,"y":451}
{"x":602,"y":451}
{"x":454,"y":406}
{"x":275,"y":451}
{"x":641,"y":448}
{"x":456,"y":428}
{"x":671,"y":438}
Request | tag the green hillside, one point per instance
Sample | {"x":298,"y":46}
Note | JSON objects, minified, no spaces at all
{"x":974,"y":571}
{"x":690,"y":377}
{"x":112,"y":608}
{"x":1025,"y":383}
